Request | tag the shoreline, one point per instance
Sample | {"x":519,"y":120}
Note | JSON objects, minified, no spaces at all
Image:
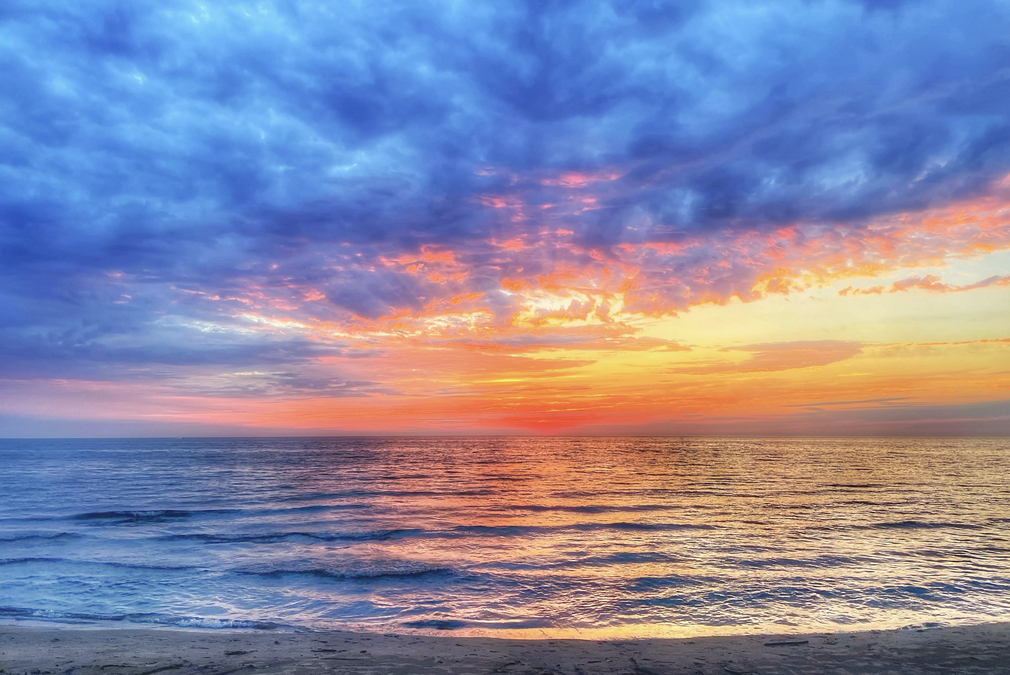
{"x":981,"y":648}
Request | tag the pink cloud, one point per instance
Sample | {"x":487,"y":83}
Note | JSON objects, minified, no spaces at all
{"x":776,"y":356}
{"x":934,"y":284}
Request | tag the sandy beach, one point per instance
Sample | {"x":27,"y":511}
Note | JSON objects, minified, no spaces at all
{"x":40,"y":651}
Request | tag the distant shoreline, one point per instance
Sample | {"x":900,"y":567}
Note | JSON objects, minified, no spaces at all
{"x":980,"y":648}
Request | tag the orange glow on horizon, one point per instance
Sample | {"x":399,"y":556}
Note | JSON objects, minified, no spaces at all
{"x":710,"y":333}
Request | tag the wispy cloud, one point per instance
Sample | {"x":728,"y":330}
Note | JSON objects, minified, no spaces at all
{"x":779,"y":356}
{"x":933,"y":283}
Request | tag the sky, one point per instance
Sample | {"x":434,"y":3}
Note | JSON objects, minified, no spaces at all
{"x":545,"y":217}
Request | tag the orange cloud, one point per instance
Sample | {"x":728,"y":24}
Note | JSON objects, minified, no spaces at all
{"x":872,"y":290}
{"x":934,"y":284}
{"x":780,"y":356}
{"x":578,"y":179}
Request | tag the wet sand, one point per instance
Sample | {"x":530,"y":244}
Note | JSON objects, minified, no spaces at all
{"x":39,"y":651}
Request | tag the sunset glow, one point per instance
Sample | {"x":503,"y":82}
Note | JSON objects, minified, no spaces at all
{"x":484,"y":233}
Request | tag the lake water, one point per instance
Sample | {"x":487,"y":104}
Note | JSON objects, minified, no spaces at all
{"x":533,"y":537}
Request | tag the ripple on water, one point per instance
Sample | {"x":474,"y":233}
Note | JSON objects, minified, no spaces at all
{"x":506,"y":535}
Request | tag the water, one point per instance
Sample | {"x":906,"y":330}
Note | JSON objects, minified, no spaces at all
{"x":591,"y":537}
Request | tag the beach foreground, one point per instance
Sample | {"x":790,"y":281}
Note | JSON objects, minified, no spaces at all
{"x":970,"y":649}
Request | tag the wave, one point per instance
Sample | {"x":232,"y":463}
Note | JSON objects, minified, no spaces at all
{"x":53,"y":536}
{"x":125,"y":516}
{"x":594,"y":508}
{"x":133,"y":516}
{"x":308,"y":508}
{"x":525,"y":530}
{"x":378,"y":570}
{"x":438,"y":624}
{"x":456,"y":532}
{"x":277,"y":537}
{"x":819,"y":561}
{"x":657,"y":583}
{"x":657,"y":527}
{"x":142,"y":618}
{"x":28,"y":561}
{"x":406,"y":571}
{"x":21,"y":561}
{"x":606,"y":561}
{"x":462,"y":531}
{"x":513,"y":624}
{"x":924,"y":525}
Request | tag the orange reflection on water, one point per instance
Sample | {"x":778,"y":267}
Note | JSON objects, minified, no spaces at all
{"x":672,"y":537}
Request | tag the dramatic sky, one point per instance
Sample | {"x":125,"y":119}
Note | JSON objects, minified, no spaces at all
{"x":723,"y":217}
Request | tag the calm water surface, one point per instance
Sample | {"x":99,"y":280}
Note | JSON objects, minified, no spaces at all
{"x":533,"y":537}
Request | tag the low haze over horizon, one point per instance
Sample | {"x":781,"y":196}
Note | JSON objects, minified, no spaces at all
{"x":293,"y":218}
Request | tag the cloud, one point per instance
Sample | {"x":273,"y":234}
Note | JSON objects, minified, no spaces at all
{"x":927,"y":282}
{"x":912,"y":419}
{"x":279,"y":385}
{"x":606,"y":337}
{"x":777,"y":356}
{"x":861,"y":402}
{"x":934,"y":284}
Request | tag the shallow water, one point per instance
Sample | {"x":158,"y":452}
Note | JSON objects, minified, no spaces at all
{"x":597,"y":537}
